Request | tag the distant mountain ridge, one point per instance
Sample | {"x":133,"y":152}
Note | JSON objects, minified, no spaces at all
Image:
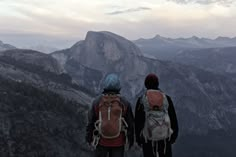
{"x":166,"y":48}
{"x":193,"y":42}
{"x":4,"y":46}
{"x":43,"y":48}
{"x":217,"y":60}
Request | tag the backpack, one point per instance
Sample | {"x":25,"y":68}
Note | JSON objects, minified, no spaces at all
{"x":157,"y":124}
{"x":110,"y":116}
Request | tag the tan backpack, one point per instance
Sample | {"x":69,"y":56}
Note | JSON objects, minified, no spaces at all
{"x":110,"y":112}
{"x":157,"y":124}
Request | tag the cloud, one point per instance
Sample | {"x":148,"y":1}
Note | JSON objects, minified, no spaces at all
{"x":129,"y":10}
{"x":205,"y":2}
{"x":134,"y":19}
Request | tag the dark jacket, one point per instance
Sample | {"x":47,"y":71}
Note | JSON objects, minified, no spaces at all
{"x":92,"y":118}
{"x":140,"y":119}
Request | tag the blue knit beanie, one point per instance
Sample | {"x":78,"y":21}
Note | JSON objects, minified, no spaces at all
{"x":111,"y":83}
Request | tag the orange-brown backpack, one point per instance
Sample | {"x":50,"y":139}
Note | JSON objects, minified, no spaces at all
{"x":110,"y":116}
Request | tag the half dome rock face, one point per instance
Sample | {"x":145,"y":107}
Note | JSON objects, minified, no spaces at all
{"x":111,"y":51}
{"x":101,"y":49}
{"x":88,"y":61}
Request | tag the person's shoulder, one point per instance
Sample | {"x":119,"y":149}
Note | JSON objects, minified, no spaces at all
{"x":140,"y":98}
{"x":168,"y":96}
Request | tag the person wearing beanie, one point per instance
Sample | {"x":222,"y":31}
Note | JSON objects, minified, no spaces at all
{"x":100,"y":125}
{"x":152,"y":142}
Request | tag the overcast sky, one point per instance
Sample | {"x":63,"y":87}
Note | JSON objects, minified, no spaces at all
{"x":38,"y":21}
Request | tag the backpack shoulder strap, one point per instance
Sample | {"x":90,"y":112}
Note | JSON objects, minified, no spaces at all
{"x":97,"y":104}
{"x":124,"y":106}
{"x":165,"y":102}
{"x":145,"y":102}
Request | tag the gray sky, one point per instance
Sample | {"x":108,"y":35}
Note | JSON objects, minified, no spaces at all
{"x":62,"y":22}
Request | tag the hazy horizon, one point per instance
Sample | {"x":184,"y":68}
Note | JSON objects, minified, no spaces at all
{"x":34,"y":40}
{"x":62,"y":23}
